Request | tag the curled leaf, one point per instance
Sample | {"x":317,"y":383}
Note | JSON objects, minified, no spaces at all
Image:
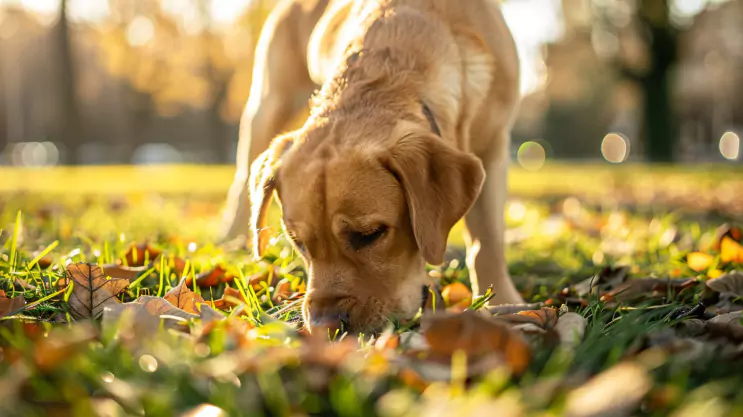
{"x":92,"y":291}
{"x":124,"y":272}
{"x":732,"y":282}
{"x":727,"y":325}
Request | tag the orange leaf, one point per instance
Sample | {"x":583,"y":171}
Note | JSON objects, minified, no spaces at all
{"x":92,"y":291}
{"x":731,"y":251}
{"x":227,"y":299}
{"x":140,"y":255}
{"x":457,"y":294}
{"x":182,"y":297}
{"x":9,"y":305}
{"x":212,"y":278}
{"x":283,"y":290}
{"x":699,"y":261}
{"x":257,"y":281}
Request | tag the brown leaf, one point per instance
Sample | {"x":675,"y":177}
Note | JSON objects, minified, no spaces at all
{"x":732,"y":282}
{"x":182,"y":297}
{"x":9,"y":305}
{"x":208,"y":314}
{"x":477,"y":336}
{"x":615,"y":392}
{"x":92,"y":291}
{"x":144,"y":317}
{"x":140,"y":255}
{"x":123,"y":272}
{"x":544,"y":318}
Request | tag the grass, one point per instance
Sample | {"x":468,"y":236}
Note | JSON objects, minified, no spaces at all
{"x":565,"y":223}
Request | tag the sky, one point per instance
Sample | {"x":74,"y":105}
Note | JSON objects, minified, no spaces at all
{"x":532,"y":22}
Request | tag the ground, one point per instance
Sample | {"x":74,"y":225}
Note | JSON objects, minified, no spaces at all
{"x":117,"y":300}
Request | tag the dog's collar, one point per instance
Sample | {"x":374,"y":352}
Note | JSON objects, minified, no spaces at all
{"x":431,"y":120}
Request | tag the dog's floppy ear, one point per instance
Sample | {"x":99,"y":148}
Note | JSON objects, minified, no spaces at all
{"x":262,"y":185}
{"x":440,"y":184}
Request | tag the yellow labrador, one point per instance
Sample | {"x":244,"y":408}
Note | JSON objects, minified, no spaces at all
{"x":408,"y":133}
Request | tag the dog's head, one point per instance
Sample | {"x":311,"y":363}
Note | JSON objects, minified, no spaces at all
{"x":366,"y":215}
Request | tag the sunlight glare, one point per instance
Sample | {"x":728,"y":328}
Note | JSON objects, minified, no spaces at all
{"x":140,"y":31}
{"x":228,"y":11}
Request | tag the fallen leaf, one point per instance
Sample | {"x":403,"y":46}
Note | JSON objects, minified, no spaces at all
{"x":62,"y":344}
{"x":570,"y":328}
{"x":268,"y":278}
{"x":230,"y":298}
{"x":649,"y":287}
{"x":699,"y":261}
{"x":615,"y":392}
{"x":731,"y":251}
{"x":9,"y":305}
{"x":212,"y":278}
{"x":477,"y":336}
{"x":92,"y":291}
{"x":208,"y":314}
{"x":727,"y":325}
{"x":727,"y":230}
{"x":732,"y":282}
{"x":457,"y":294}
{"x":182,"y":297}
{"x":606,"y":277}
{"x":544,"y":318}
{"x":283,"y":290}
{"x":124,"y":272}
{"x":140,"y":255}
{"x":513,"y":308}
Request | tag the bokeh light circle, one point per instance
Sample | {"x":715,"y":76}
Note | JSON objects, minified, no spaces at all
{"x":615,"y":148}
{"x":531,"y":155}
{"x":730,"y":146}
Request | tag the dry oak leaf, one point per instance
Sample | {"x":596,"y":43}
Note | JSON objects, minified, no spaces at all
{"x":477,"y":336}
{"x":182,"y":297}
{"x":92,"y":291}
{"x":732,"y":282}
{"x":9,"y":305}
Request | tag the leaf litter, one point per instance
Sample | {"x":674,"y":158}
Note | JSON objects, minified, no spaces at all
{"x":592,"y":343}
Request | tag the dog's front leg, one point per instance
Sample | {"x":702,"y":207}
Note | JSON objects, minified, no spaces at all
{"x":281,"y":84}
{"x":485,"y":234}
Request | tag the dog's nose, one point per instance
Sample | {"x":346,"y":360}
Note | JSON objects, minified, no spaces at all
{"x":334,"y":323}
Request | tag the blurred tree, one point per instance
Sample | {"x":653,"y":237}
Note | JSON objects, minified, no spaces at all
{"x":71,"y":126}
{"x":660,"y":42}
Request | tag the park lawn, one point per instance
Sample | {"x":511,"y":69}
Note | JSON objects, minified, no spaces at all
{"x":231,"y":338}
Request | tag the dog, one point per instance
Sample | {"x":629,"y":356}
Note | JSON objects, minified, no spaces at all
{"x":408,"y":133}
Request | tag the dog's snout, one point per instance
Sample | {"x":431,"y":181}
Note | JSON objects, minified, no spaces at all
{"x":332,"y":322}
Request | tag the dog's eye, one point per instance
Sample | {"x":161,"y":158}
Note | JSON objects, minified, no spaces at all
{"x":359,"y":240}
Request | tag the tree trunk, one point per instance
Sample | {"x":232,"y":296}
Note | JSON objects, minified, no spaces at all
{"x":71,"y":127}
